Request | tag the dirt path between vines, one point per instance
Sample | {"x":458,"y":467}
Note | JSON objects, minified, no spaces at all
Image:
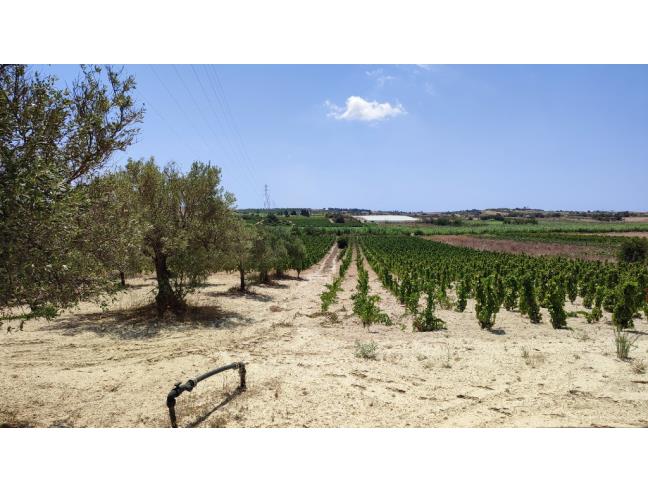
{"x":114,"y":369}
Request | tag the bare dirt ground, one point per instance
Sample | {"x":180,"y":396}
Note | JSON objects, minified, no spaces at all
{"x":114,"y":369}
{"x":620,"y":234}
{"x":528,"y":247}
{"x":641,"y":218}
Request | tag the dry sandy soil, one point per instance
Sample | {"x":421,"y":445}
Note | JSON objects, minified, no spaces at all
{"x":114,"y":369}
{"x":621,"y":234}
{"x":642,"y":218}
{"x":528,"y":247}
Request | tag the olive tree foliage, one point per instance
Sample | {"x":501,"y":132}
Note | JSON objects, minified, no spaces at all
{"x":112,"y":223}
{"x":278,"y":249}
{"x":263,"y":249}
{"x":633,"y":250}
{"x":263,"y":255}
{"x":187,"y":225}
{"x":240,"y":257}
{"x":297,"y":253}
{"x":52,"y":141}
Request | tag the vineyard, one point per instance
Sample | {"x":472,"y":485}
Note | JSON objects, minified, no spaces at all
{"x":410,"y":267}
{"x":316,"y":248}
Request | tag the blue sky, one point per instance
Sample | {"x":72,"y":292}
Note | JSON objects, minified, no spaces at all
{"x":404,"y":137}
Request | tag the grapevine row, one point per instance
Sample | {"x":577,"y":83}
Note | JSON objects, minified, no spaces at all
{"x":330,"y":294}
{"x":409,"y":266}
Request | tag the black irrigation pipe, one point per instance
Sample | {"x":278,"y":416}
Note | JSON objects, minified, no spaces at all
{"x":178,"y":389}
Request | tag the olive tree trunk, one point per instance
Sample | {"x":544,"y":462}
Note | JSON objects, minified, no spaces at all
{"x":242,"y":275}
{"x":166,"y":298}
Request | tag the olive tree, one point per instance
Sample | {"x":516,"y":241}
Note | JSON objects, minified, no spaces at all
{"x":633,"y":250}
{"x":297,"y":253}
{"x":240,"y":257}
{"x":279,"y":239}
{"x":263,"y":256}
{"x":187,"y":222}
{"x":115,"y":229}
{"x":52,"y":140}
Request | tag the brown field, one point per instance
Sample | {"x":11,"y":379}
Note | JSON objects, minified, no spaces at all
{"x":114,"y":368}
{"x":527,"y":247}
{"x":642,"y":219}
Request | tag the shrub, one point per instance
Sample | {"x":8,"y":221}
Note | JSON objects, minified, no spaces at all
{"x":572,"y":285}
{"x":366,"y":308}
{"x":405,"y":290}
{"x":328,"y":296}
{"x":500,"y":289}
{"x":588,"y":298}
{"x":366,"y":350}
{"x":412,"y":301}
{"x":510,"y":293}
{"x":556,"y":305}
{"x":364,"y":305}
{"x":427,"y":321}
{"x":609,"y":300}
{"x":443,"y":299}
{"x":528,"y":301}
{"x":346,"y":262}
{"x":626,"y":304}
{"x":599,"y":295}
{"x":634,"y":249}
{"x":595,"y":315}
{"x":462,"y":296}
{"x":487,"y":302}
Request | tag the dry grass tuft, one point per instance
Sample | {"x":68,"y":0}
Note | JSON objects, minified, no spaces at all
{"x":532,"y":360}
{"x":639,"y":367}
{"x":366,"y":350}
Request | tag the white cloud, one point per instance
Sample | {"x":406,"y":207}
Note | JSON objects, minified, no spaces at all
{"x":357,"y":108}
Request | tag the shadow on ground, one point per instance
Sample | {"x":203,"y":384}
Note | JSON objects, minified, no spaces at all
{"x":143,"y":322}
{"x":292,"y":277}
{"x":209,"y":413}
{"x":273,"y":285}
{"x":497,"y":331}
{"x":234,"y":292}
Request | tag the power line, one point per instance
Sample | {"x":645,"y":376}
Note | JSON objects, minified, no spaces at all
{"x":164,"y":120}
{"x":209,"y":126}
{"x":231,"y":120}
{"x":182,"y":110}
{"x":222,"y":103}
{"x":223,"y":131}
{"x":178,"y":104}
